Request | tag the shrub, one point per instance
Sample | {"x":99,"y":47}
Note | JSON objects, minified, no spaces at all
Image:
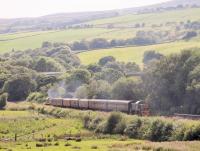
{"x":39,"y":145}
{"x":106,"y":59}
{"x":56,"y":144}
{"x":94,"y":147}
{"x":120,"y":127}
{"x":192,"y":133}
{"x":86,"y":121}
{"x":160,"y":131}
{"x":112,"y":122}
{"x":133,"y":129}
{"x":3,"y":100}
{"x":94,"y":123}
{"x":36,"y":97}
{"x":67,"y":144}
{"x":78,"y":139}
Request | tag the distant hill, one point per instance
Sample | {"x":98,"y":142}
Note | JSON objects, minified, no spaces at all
{"x":169,"y":4}
{"x":55,"y":21}
{"x":60,"y":21}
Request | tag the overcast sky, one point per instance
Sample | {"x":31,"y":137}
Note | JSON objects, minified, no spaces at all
{"x":34,"y":8}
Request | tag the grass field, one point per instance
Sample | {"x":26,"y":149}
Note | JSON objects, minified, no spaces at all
{"x":29,"y":124}
{"x":33,"y":126}
{"x":135,"y":54}
{"x":104,"y":145}
{"x":26,"y":41}
{"x":152,"y":18}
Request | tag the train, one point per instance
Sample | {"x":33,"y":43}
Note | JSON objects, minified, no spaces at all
{"x":127,"y":106}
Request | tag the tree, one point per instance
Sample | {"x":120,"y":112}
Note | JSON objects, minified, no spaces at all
{"x":3,"y":100}
{"x":171,"y":84}
{"x":190,"y":35}
{"x":99,"y":43}
{"x":127,"y":89}
{"x":99,"y":90}
{"x":94,"y":68}
{"x":77,"y":78}
{"x":106,"y":59}
{"x":151,"y":55}
{"x":19,"y":87}
{"x":46,"y":44}
{"x":45,"y":64}
{"x":109,"y":75}
{"x":82,"y":45}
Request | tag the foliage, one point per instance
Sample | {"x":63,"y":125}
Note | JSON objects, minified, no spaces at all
{"x":37,"y":97}
{"x":151,"y":55}
{"x":19,"y":87}
{"x":77,"y":78}
{"x":3,"y":100}
{"x":189,"y":35}
{"x":105,"y":60}
{"x":112,"y":122}
{"x":170,"y":83}
{"x":127,"y":89}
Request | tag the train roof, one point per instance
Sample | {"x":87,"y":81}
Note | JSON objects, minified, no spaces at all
{"x":97,"y":100}
{"x":111,"y":101}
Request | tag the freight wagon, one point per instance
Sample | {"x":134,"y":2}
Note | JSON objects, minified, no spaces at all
{"x":125,"y":106}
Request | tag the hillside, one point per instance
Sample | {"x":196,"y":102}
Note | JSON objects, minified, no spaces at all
{"x":152,"y":18}
{"x":123,"y":29}
{"x":63,"y":20}
{"x":55,"y":21}
{"x":135,"y":54}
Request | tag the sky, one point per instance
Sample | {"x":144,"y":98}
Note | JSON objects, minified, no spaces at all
{"x":35,"y":8}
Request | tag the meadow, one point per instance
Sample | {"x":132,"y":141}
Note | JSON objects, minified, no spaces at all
{"x":37,"y":131}
{"x":152,"y":18}
{"x":135,"y":54}
{"x":23,"y":41}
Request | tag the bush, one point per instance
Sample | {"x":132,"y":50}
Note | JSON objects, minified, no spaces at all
{"x":39,"y":145}
{"x":106,"y":59}
{"x":19,"y":87}
{"x":112,"y":122}
{"x":133,"y":129}
{"x":36,"y":97}
{"x":160,"y":131}
{"x":192,"y":133}
{"x":120,"y":127}
{"x":94,"y":147}
{"x":86,"y":121}
{"x":3,"y":100}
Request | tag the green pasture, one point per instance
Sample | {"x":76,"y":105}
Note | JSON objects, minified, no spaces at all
{"x":30,"y":42}
{"x":102,"y":145}
{"x":31,"y":125}
{"x":135,"y":54}
{"x":152,"y":18}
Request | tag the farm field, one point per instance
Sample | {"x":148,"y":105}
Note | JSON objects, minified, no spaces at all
{"x":135,"y":54}
{"x":31,"y":40}
{"x":52,"y":36}
{"x":152,"y":18}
